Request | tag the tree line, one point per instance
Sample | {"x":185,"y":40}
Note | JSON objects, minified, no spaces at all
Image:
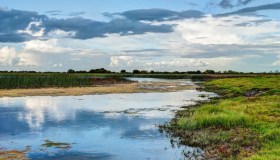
{"x":136,"y":71}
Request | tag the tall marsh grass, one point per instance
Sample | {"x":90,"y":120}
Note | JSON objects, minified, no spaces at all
{"x":33,"y":81}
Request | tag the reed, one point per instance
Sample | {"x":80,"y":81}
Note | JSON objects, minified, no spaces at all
{"x":34,"y":81}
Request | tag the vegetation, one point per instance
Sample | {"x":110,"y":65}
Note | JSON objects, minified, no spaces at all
{"x":244,"y":123}
{"x":13,"y":81}
{"x":13,"y":155}
{"x":102,"y":70}
{"x":32,"y":79}
{"x":60,"y":145}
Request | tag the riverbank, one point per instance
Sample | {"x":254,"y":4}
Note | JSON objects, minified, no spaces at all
{"x":132,"y":87}
{"x":243,"y":123}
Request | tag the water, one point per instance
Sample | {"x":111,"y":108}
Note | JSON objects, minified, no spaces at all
{"x":112,"y":126}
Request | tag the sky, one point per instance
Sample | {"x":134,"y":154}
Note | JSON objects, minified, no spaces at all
{"x":160,"y":35}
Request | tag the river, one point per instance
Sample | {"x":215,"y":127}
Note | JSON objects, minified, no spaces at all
{"x":108,"y":126}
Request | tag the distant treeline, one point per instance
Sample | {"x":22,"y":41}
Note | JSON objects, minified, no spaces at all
{"x":102,"y":70}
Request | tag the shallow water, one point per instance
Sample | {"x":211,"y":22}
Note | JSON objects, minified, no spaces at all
{"x":112,"y":126}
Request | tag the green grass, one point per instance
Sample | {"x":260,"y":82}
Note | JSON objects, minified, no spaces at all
{"x":257,"y":115}
{"x":239,"y":86}
{"x":61,"y":145}
{"x":213,"y":116}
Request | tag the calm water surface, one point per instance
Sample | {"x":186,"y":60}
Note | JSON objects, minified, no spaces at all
{"x":112,"y":126}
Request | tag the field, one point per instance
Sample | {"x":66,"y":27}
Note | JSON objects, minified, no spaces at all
{"x":242,"y":124}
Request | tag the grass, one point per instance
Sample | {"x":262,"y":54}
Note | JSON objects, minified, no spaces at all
{"x":238,"y":125}
{"x":14,"y":81}
{"x":230,"y":87}
{"x":48,"y":80}
{"x":60,"y":145}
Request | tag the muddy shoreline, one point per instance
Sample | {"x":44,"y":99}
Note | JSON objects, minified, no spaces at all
{"x":134,"y":87}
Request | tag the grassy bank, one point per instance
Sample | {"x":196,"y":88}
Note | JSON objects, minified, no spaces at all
{"x":243,"y":124}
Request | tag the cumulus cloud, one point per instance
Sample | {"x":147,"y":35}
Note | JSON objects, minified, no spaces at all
{"x":233,"y":3}
{"x":139,"y":39}
{"x":12,"y":21}
{"x":226,"y":4}
{"x":8,"y":56}
{"x":60,"y":13}
{"x":277,"y":62}
{"x":273,"y":6}
{"x":86,"y":29}
{"x":11,"y":58}
{"x":33,"y":29}
{"x":58,"y":65}
{"x":20,"y":26}
{"x":47,"y":46}
{"x":178,"y":63}
{"x":121,"y":61}
{"x":57,"y":33}
{"x":159,"y":14}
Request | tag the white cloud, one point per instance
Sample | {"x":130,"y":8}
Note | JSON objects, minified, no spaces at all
{"x":121,"y":60}
{"x":45,"y":46}
{"x":277,"y":62}
{"x":9,"y":56}
{"x":58,"y":65}
{"x":225,"y":30}
{"x":34,"y":29}
{"x":205,"y":43}
{"x":181,"y":63}
{"x":60,"y":34}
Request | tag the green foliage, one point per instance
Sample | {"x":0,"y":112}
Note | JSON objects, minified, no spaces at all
{"x":209,"y":71}
{"x":123,"y":71}
{"x":135,"y":71}
{"x":99,"y":70}
{"x":71,"y":71}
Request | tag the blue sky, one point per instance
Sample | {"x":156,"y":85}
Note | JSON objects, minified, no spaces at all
{"x":56,"y":35}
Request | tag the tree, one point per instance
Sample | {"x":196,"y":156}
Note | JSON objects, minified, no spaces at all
{"x":71,"y":71}
{"x":99,"y":70}
{"x":123,"y":71}
{"x":136,"y":71}
{"x":81,"y":71}
{"x":208,"y":71}
{"x":230,"y":72}
{"x":144,"y":72}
